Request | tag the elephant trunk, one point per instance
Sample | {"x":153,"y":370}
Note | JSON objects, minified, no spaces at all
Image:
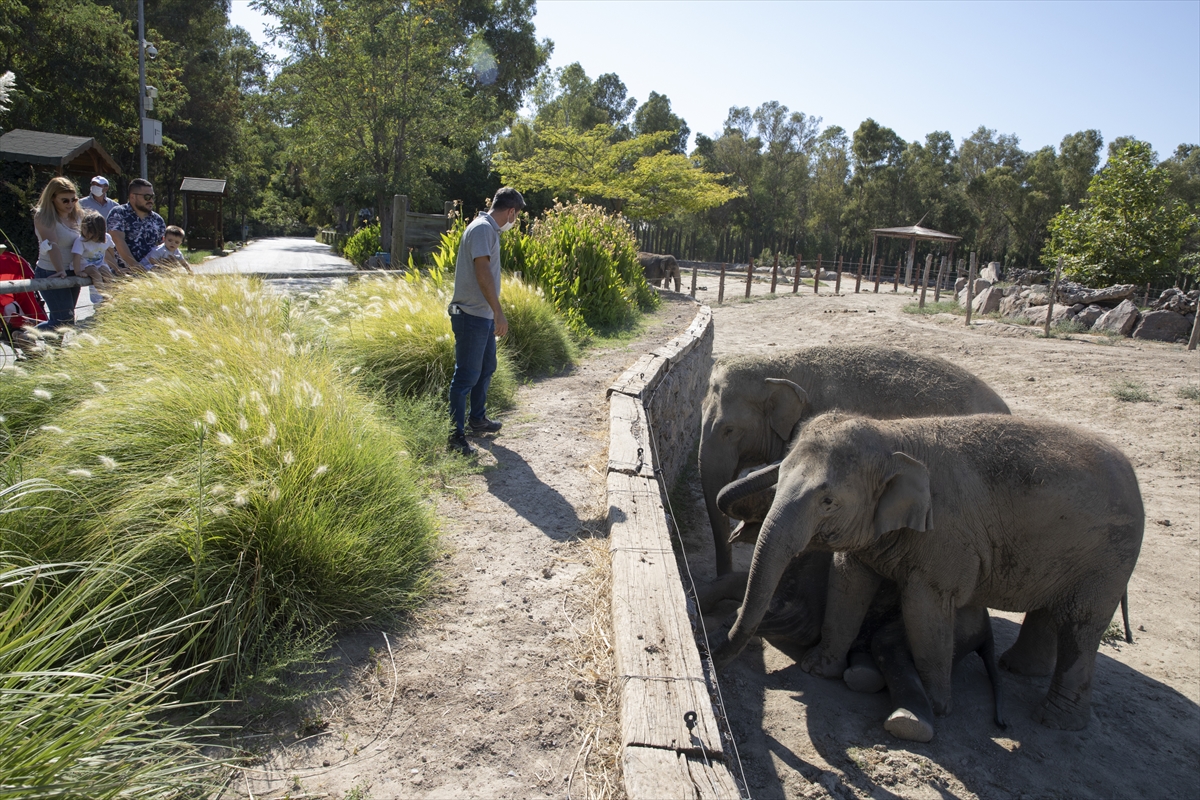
{"x":717,"y":469}
{"x":744,"y":487}
{"x":777,"y":544}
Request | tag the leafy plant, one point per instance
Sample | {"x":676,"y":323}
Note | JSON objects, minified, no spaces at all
{"x":941,"y":307}
{"x":1190,"y":392}
{"x":538,"y":341}
{"x":362,"y":245}
{"x":1132,"y":392}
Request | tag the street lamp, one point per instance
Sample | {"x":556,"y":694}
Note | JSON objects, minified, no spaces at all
{"x":151,"y":129}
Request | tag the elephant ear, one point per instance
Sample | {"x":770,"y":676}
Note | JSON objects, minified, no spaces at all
{"x":784,"y":407}
{"x":905,"y":501}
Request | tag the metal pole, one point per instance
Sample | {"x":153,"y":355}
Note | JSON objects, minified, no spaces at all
{"x":142,"y":85}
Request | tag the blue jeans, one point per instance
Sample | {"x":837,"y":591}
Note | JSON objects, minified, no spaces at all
{"x":60,"y":303}
{"x":474,"y":365}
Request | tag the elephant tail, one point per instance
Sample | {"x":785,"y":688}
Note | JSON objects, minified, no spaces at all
{"x":1125,"y":615}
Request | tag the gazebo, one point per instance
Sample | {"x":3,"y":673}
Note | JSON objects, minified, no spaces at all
{"x":202,"y":219}
{"x":913,"y":233}
{"x":69,"y":155}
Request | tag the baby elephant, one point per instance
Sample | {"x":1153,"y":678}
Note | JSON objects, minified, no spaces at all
{"x":986,"y":511}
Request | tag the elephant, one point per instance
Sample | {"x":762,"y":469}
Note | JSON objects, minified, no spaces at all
{"x":986,"y":511}
{"x":659,"y":268}
{"x":754,"y":405}
{"x":880,"y":657}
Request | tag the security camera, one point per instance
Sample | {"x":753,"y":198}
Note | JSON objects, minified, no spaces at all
{"x":151,"y":50}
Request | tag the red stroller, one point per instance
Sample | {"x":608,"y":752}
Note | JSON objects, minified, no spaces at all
{"x":17,"y":309}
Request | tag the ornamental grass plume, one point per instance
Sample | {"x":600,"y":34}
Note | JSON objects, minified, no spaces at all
{"x":209,"y":386}
{"x":538,"y":341}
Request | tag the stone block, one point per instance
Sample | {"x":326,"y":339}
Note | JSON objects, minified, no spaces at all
{"x":1088,"y":316}
{"x":988,"y":300}
{"x":1163,"y":326}
{"x":1121,"y":319}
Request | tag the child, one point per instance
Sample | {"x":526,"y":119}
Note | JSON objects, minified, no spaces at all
{"x":93,"y":250}
{"x":167,"y":253}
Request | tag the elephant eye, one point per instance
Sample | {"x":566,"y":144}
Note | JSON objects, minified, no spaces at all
{"x":828,"y":504}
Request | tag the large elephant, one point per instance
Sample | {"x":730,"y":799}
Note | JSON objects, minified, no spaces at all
{"x":659,"y":269}
{"x":755,"y":403}
{"x":985,"y":511}
{"x":880,"y":657}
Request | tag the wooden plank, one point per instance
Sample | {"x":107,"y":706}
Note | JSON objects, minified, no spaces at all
{"x":629,"y":448}
{"x":652,"y":774}
{"x":636,"y":517}
{"x":641,"y":378}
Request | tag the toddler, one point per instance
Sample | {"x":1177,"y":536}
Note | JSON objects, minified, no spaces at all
{"x":167,"y":253}
{"x":92,"y":252}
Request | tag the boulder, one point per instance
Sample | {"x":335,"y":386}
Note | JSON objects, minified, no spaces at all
{"x":1174,"y":300}
{"x":1013,"y":305}
{"x":959,"y":285}
{"x":991,"y":272}
{"x":1121,"y":319}
{"x":1088,"y":316}
{"x":988,"y":300}
{"x":1039,"y":295}
{"x":981,"y":284}
{"x":1108,"y":296}
{"x":1163,"y":326}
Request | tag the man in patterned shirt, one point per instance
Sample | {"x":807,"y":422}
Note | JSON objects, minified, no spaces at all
{"x":135,"y":227}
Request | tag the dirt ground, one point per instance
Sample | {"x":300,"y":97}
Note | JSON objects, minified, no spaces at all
{"x":500,"y":688}
{"x":1144,"y":738}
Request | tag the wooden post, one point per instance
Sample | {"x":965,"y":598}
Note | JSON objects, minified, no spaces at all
{"x":912,"y":272}
{"x":1146,"y":299}
{"x":896,"y":279}
{"x":749,"y":275}
{"x":937,"y":289}
{"x":796,"y":274}
{"x":925,"y":278}
{"x":1195,"y":331}
{"x":971,"y":288}
{"x":399,"y":226}
{"x":912,"y":255}
{"x":774,"y":273}
{"x":721,"y":289}
{"x":1053,"y":292}
{"x":695,"y":267}
{"x":878,"y":270}
{"x":858,"y":275}
{"x":837,"y":282}
{"x":817,"y":276}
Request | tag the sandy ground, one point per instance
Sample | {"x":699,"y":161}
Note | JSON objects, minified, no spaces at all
{"x":500,"y":689}
{"x":1144,"y":738}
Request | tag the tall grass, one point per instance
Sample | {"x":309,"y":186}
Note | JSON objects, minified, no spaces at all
{"x":538,"y":341}
{"x":199,"y":437}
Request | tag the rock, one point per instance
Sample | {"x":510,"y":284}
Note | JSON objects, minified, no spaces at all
{"x":1120,"y":320}
{"x":1009,"y":291}
{"x":1174,"y":300}
{"x":1088,"y":316}
{"x":1163,"y":326}
{"x":988,"y":300}
{"x":1036,"y":314}
{"x":1013,"y":306}
{"x":1109,"y":296}
{"x":991,"y":272}
{"x":1039,"y":295}
{"x":981,"y":284}
{"x":959,"y":285}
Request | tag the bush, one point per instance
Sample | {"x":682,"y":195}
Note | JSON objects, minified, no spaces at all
{"x":363,"y":244}
{"x":1132,"y":392}
{"x":931,"y":308}
{"x":538,"y":341}
{"x":199,"y":438}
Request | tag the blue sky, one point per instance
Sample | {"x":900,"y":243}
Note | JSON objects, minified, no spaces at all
{"x":1039,"y":70}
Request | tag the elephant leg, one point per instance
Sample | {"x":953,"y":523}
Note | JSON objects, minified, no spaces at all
{"x":852,"y":586}
{"x":862,"y":675}
{"x":677,"y":280}
{"x":1034,"y":651}
{"x":912,"y":717}
{"x":1068,"y":704}
{"x":726,"y":587}
{"x":973,"y":634}
{"x":929,"y":621}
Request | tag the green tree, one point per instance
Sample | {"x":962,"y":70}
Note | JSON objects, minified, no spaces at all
{"x":1129,"y":228}
{"x":655,"y":115}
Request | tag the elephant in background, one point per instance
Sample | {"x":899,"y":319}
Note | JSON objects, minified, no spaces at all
{"x":659,"y":268}
{"x":754,"y":405}
{"x":984,"y":511}
{"x":880,"y":656}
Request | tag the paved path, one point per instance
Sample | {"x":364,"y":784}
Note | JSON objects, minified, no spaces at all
{"x":279,"y":256}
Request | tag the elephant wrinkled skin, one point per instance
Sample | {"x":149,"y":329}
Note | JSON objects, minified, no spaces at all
{"x":986,"y":511}
{"x":754,"y":404}
{"x":658,"y":269}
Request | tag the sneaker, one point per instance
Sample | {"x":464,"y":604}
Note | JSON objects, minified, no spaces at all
{"x":484,"y":425}
{"x":458,"y":444}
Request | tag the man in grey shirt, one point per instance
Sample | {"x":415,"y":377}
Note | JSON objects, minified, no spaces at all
{"x":476,"y":317}
{"x":98,"y":200}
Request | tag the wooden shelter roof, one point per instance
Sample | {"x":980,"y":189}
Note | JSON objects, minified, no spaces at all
{"x":203,"y":186}
{"x":916,"y":232}
{"x":81,"y":155}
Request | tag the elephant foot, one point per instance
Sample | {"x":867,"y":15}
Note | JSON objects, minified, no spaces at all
{"x":904,"y":724}
{"x":1033,"y":665}
{"x":864,"y":678}
{"x":817,"y":662}
{"x":1059,"y":716}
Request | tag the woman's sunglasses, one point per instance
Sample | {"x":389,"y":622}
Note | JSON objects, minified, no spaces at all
{"x":69,"y":200}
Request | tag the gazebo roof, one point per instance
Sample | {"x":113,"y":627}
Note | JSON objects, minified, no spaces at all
{"x":203,"y":186}
{"x":916,"y":232}
{"x":78,"y":154}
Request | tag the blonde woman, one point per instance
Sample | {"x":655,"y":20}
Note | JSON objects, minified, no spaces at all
{"x":56,"y":220}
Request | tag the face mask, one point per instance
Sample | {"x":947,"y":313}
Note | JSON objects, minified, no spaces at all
{"x":506,"y":226}
{"x":97,"y":191}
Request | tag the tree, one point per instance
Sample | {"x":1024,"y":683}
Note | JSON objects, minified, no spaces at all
{"x":567,"y":98}
{"x":1129,"y":229}
{"x":632,"y":176}
{"x":383,"y":94}
{"x":655,"y":115}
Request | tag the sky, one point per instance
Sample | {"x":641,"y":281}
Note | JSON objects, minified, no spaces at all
{"x":1040,"y":70}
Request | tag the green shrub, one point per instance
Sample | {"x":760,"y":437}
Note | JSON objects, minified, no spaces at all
{"x":200,"y":438}
{"x":538,"y":341}
{"x":1132,"y":392}
{"x":363,"y":244}
{"x":931,"y":308}
{"x":1191,"y":392}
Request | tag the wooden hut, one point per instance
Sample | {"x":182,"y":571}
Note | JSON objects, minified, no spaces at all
{"x":202,"y":219}
{"x":70,"y":156}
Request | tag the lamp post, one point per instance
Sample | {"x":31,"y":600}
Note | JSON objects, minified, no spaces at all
{"x":142,"y":86}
